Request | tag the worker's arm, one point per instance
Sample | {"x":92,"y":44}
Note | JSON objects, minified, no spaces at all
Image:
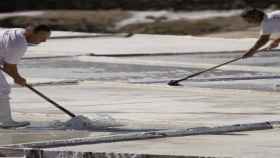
{"x":263,"y":39}
{"x":11,"y":69}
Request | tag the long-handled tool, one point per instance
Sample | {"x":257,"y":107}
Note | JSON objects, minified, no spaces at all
{"x":76,"y":122}
{"x":125,"y":35}
{"x":176,"y":82}
{"x":48,"y":99}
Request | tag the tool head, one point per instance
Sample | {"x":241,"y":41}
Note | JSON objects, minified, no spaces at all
{"x":79,"y":123}
{"x":129,"y":34}
{"x":174,"y":83}
{"x":87,"y":123}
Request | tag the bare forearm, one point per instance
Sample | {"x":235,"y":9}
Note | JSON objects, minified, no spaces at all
{"x":260,"y":43}
{"x":11,"y":70}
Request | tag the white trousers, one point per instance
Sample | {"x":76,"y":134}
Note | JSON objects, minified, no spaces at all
{"x":5,"y":108}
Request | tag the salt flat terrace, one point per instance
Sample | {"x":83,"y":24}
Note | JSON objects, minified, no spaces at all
{"x":133,"y":90}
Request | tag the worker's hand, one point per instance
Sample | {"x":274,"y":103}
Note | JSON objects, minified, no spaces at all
{"x":272,"y":45}
{"x":248,"y":54}
{"x":20,"y":81}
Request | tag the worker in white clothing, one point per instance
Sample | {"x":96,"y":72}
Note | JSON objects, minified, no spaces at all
{"x":13,"y":45}
{"x":269,"y":23}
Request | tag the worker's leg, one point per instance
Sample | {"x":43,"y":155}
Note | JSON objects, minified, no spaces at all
{"x":6,"y":120}
{"x":5,"y":108}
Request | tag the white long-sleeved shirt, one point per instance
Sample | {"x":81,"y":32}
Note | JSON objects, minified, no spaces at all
{"x":271,"y":23}
{"x":13,"y":46}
